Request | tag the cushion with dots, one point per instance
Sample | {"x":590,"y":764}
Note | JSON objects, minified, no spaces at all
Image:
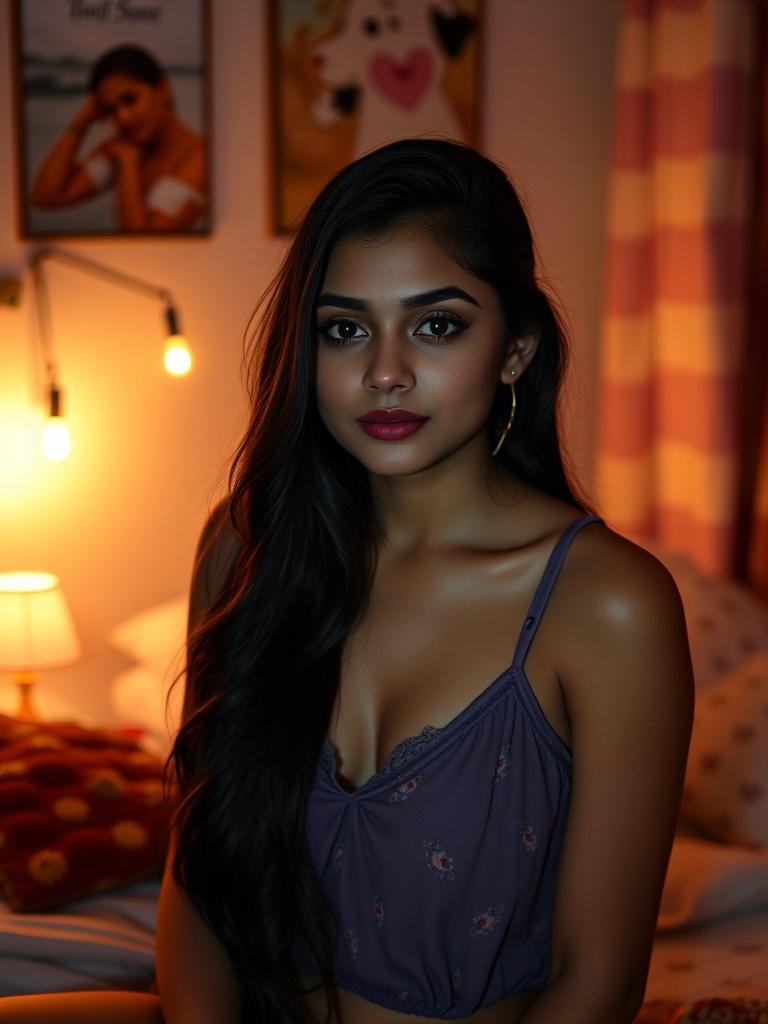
{"x":727,"y":622}
{"x":709,"y":1010}
{"x":81,"y":810}
{"x":725,"y":793}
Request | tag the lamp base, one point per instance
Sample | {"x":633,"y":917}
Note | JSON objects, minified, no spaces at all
{"x":26,"y":710}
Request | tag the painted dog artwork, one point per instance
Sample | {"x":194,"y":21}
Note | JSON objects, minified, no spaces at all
{"x":385,"y":63}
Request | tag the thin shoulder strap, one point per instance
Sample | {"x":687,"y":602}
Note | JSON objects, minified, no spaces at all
{"x":546,"y":583}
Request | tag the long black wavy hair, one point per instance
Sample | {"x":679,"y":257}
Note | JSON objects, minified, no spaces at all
{"x":263,"y":661}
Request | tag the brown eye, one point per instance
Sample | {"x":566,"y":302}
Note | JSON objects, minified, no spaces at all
{"x":451,"y":319}
{"x":435,"y":325}
{"x":343,"y":326}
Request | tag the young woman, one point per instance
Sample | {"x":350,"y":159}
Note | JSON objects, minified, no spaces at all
{"x":154,"y":161}
{"x":437,"y":713}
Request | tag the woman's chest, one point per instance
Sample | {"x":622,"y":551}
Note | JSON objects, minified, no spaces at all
{"x":430,"y":643}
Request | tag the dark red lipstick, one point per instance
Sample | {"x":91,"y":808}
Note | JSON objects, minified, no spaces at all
{"x":391,"y":424}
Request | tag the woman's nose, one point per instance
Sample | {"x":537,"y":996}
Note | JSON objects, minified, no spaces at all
{"x":390,"y":365}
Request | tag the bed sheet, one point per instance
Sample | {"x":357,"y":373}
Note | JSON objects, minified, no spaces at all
{"x":98,"y":942}
{"x":725,"y":957}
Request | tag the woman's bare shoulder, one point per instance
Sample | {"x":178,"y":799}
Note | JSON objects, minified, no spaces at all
{"x":597,"y":551}
{"x":607,"y":583}
{"x":616,"y":603}
{"x":608,"y":561}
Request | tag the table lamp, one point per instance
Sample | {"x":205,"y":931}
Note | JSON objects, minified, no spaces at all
{"x":36,"y":631}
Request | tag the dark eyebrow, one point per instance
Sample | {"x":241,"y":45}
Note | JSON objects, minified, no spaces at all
{"x":409,"y":302}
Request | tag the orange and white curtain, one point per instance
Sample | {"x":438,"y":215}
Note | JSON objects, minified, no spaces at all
{"x":676,"y":276}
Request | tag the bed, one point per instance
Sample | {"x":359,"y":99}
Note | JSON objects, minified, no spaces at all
{"x":710,"y":954}
{"x":102,"y":941}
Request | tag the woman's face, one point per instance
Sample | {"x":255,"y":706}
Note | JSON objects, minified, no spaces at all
{"x":137,"y":109}
{"x":383,"y":342}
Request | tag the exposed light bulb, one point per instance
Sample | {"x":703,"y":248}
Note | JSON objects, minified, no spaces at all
{"x":177,"y":358}
{"x":56,"y":441}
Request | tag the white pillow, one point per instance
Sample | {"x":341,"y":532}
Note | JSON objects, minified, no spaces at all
{"x":155,"y":636}
{"x":138,"y":699}
{"x":725,"y":793}
{"x":706,"y":879}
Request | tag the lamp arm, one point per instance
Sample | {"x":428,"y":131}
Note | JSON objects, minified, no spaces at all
{"x":97,"y":270}
{"x":100,"y":270}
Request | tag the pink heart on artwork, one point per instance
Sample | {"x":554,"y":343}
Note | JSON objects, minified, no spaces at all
{"x":403,"y":81}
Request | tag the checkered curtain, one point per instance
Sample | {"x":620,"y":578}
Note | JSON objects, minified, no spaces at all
{"x":676,"y":277}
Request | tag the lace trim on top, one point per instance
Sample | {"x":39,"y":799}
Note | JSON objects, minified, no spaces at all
{"x":408,"y":748}
{"x":400,"y":755}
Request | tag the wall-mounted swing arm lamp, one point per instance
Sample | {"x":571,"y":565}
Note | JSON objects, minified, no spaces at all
{"x":177,"y":357}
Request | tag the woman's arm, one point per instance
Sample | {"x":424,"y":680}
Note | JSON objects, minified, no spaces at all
{"x":60,"y":180}
{"x":131,"y":209}
{"x":628,"y":682}
{"x":195,"y":978}
{"x":135,"y":209}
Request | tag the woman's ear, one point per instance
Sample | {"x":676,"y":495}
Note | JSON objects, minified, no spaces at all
{"x":520,"y":352}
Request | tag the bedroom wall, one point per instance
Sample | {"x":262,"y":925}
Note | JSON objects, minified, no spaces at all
{"x":119,"y":519}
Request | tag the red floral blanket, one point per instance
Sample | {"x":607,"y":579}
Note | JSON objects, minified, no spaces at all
{"x":704,"y":1011}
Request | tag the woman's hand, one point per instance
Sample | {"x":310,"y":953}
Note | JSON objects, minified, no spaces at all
{"x":121,"y":152}
{"x":89,"y":113}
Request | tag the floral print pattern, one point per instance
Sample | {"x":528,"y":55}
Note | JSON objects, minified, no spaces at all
{"x":438,"y":860}
{"x":457,"y":977}
{"x":486,"y":922}
{"x":502,"y":763}
{"x":405,"y":789}
{"x":378,"y":910}
{"x":350,"y":942}
{"x":530,"y":839}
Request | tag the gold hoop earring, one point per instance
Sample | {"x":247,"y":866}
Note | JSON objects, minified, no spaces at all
{"x":506,"y":429}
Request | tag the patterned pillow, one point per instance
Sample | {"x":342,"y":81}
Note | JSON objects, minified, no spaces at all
{"x":81,"y":810}
{"x":726,"y":780}
{"x":727,"y":623}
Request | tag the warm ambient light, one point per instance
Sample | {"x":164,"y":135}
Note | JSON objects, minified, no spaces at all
{"x":36,"y":630}
{"x":177,"y":358}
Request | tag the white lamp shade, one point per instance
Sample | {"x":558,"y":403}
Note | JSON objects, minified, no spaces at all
{"x":36,"y":628}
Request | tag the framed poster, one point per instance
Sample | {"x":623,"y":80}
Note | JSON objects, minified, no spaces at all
{"x":112,"y":103}
{"x":348,"y":76}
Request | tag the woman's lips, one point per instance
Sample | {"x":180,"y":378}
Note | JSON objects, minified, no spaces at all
{"x":391,"y":431}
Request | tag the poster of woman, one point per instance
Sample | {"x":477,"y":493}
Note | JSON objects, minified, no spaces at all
{"x":351,"y":75}
{"x":112,"y":101}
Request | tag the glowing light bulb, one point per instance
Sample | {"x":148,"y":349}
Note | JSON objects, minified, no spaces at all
{"x":56,"y":441}
{"x":177,"y":358}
